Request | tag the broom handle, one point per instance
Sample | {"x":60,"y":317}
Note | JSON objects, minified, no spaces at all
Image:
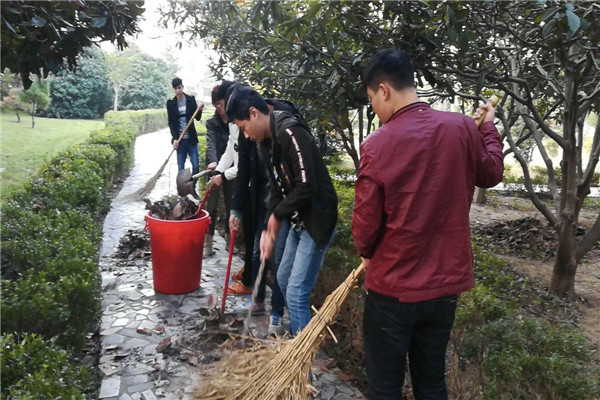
{"x":494,"y":100}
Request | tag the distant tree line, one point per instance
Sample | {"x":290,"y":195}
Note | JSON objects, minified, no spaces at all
{"x":127,"y":80}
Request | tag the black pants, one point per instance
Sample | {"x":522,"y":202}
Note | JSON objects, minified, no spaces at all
{"x":391,"y":330}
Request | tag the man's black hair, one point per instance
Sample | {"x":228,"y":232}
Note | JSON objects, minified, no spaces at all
{"x":283,"y":105}
{"x":176,"y":82}
{"x":392,"y":66}
{"x":223,"y":90}
{"x":213,"y":94}
{"x":240,"y":101}
{"x":231,"y":89}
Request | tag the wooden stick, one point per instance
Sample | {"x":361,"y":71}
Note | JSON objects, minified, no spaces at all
{"x":494,"y":100}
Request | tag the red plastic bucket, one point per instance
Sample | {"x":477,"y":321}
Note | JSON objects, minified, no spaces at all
{"x":177,"y":253}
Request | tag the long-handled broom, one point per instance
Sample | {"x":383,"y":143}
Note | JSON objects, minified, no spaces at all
{"x":280,"y":370}
{"x":147,"y":188}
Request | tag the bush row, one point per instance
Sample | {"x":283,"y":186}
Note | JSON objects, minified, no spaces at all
{"x":50,"y":236}
{"x":514,"y":353}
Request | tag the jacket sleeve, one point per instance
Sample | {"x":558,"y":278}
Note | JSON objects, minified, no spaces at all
{"x":211,"y":141}
{"x":296,"y":145}
{"x":240,"y":190}
{"x":490,"y":166}
{"x":172,"y":126}
{"x":368,"y":219}
{"x":228,"y":162}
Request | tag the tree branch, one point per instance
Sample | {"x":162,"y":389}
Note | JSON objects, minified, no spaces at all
{"x":591,"y":238}
{"x":527,"y":178}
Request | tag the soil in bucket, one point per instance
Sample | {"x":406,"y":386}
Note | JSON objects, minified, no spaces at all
{"x":176,"y":247}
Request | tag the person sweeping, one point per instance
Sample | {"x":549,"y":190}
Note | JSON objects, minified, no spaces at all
{"x":301,"y":192}
{"x":415,"y":185}
{"x":180,"y":110}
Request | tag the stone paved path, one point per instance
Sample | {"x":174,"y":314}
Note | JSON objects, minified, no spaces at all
{"x":136,"y":319}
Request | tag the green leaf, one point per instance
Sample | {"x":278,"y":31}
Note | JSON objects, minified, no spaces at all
{"x":38,"y":21}
{"x":573,"y":19}
{"x":463,"y":43}
{"x":98,"y":22}
{"x":548,"y":28}
{"x":451,"y":15}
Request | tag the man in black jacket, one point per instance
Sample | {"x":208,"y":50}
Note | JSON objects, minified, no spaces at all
{"x":301,"y":191}
{"x":180,"y":110}
{"x":217,"y":136}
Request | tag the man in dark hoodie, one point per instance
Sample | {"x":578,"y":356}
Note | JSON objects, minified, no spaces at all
{"x":217,"y":136}
{"x":301,"y":191}
{"x":180,"y":110}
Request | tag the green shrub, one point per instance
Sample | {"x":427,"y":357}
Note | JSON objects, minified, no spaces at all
{"x":50,"y":241}
{"x":121,"y":141}
{"x":36,"y":369}
{"x":33,"y":240}
{"x":529,"y":358}
{"x":141,"y":121}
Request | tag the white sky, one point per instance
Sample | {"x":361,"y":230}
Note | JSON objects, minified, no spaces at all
{"x":158,"y":42}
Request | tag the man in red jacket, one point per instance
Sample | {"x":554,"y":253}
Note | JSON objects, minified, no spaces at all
{"x":411,"y":225}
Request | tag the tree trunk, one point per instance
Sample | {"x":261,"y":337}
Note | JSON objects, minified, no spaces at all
{"x":479,"y":197}
{"x":18,"y":116}
{"x":565,"y":264}
{"x":116,"y":102}
{"x":33,"y":115}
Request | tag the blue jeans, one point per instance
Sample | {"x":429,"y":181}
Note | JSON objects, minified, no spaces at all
{"x":391,"y":330}
{"x":277,"y":299}
{"x":298,"y":272}
{"x":186,"y":147}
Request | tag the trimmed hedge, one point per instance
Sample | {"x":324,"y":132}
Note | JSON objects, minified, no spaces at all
{"x":51,"y":236}
{"x":33,"y":368}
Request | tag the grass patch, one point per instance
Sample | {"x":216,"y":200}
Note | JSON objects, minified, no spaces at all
{"x":24,"y":150}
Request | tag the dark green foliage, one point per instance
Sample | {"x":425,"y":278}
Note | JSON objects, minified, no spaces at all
{"x":39,"y":37}
{"x":50,"y":240}
{"x":519,"y":356}
{"x":148,"y":84}
{"x":85,"y":93}
{"x":36,"y":369}
{"x":33,"y":241}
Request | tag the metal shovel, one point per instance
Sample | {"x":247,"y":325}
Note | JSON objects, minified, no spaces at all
{"x":186,"y":182}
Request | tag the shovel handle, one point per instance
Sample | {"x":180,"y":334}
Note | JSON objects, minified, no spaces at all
{"x":494,"y":100}
{"x":231,"y":244}
{"x":208,"y":190}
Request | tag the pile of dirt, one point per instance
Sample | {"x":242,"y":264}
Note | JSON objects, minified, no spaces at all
{"x":521,"y":237}
{"x":134,"y":245}
{"x":172,"y":208}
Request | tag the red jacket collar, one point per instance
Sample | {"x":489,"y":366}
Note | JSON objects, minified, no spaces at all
{"x":408,"y":108}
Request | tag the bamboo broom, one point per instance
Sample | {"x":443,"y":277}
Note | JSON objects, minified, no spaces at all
{"x":279,"y":370}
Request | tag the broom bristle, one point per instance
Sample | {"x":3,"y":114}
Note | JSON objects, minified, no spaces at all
{"x":276,"y":372}
{"x":147,"y":188}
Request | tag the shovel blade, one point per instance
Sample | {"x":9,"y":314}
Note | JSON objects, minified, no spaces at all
{"x":185,"y":184}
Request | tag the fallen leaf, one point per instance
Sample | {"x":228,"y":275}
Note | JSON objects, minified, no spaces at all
{"x":344,"y":377}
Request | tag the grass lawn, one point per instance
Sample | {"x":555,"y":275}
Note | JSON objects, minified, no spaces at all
{"x":23,"y":150}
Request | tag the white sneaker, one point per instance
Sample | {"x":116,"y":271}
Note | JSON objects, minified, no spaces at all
{"x":256,"y":308}
{"x":275,"y":326}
